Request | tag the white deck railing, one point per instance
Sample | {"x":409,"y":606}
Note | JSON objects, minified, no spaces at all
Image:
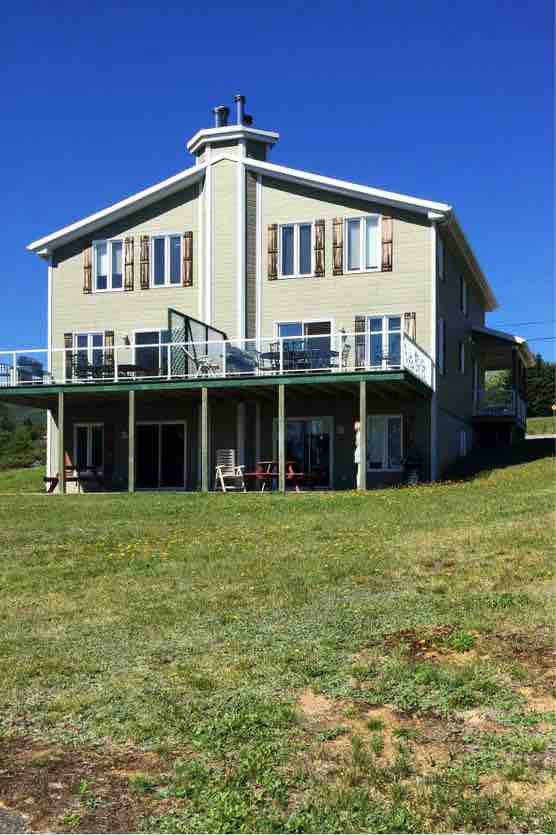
{"x":338,"y":352}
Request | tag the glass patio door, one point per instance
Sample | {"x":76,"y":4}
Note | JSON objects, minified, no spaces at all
{"x":309,"y":448}
{"x":384,"y":341}
{"x":160,"y":455}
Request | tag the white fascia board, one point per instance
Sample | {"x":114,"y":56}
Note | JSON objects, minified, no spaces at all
{"x":348,"y":188}
{"x":229,"y":133}
{"x":137,"y":201}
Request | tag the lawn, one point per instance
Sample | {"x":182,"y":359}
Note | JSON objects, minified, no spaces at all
{"x":309,"y":663}
{"x":541,"y":425}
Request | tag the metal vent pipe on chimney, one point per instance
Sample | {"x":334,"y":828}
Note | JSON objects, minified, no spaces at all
{"x":240,"y":109}
{"x":221,"y":114}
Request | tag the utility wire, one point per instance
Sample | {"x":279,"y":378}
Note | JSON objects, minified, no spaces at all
{"x":526,"y":324}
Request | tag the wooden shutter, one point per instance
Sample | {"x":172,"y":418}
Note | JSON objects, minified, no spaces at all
{"x":128,"y":264}
{"x":410,"y":325}
{"x":319,"y":248}
{"x":144,"y":262}
{"x":387,"y":226}
{"x":87,"y":269}
{"x":272,"y":242}
{"x":360,"y":341}
{"x":338,"y":246}
{"x":68,"y":355}
{"x":187,"y":255}
{"x":109,"y":350}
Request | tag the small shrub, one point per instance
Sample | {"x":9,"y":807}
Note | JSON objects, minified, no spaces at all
{"x":377,"y":744}
{"x":461,"y":641}
{"x":375,"y":724}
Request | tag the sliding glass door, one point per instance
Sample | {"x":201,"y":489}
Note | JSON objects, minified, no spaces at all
{"x":309,"y":448}
{"x":160,"y":455}
{"x":384,"y":341}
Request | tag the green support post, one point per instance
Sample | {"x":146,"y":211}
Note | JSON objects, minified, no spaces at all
{"x":282,"y":438}
{"x":131,"y":437}
{"x":362,"y":469}
{"x":204,"y":440}
{"x":61,"y":445}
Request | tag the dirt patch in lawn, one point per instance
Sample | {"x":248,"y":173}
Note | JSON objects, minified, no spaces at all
{"x":57,"y":788}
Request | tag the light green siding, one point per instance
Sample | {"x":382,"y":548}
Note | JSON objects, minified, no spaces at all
{"x":406,"y":288}
{"x":120,"y":311}
{"x":224,"y":237}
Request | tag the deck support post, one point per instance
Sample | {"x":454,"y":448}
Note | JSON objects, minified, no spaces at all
{"x":282,"y":438}
{"x":257,"y":432}
{"x":204,"y":440}
{"x":61,"y":445}
{"x":131,"y":442}
{"x":362,"y":465}
{"x":240,"y":418}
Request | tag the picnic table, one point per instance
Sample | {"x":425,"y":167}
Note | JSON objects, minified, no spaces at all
{"x":266,"y":475}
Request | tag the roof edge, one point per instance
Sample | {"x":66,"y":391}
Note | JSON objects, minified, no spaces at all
{"x":42,"y":246}
{"x":519,"y":342}
{"x":454,"y":227}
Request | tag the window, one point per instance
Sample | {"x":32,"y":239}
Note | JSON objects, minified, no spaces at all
{"x":151,"y":354}
{"x":108,"y":256}
{"x":88,"y":350}
{"x":296,"y":257}
{"x":441,"y":348}
{"x":384,"y":442}
{"x":363,"y":243}
{"x":440,"y":258}
{"x":88,"y":445}
{"x":384,"y":348}
{"x":462,"y":357}
{"x":166,"y":261}
{"x":304,"y":334}
{"x":463,"y":295}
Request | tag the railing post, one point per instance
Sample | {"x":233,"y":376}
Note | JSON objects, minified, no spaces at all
{"x":169,"y":362}
{"x":224,"y":358}
{"x":14,"y":365}
{"x":115,"y":363}
{"x":281,"y":350}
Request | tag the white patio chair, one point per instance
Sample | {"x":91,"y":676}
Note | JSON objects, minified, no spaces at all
{"x":229,"y":475}
{"x":208,"y":367}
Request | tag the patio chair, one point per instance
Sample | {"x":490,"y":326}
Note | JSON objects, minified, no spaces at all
{"x":207,"y":367}
{"x":341,"y":361}
{"x":229,"y":475}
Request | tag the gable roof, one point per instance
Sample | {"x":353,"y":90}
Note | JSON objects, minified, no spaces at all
{"x":43,"y":246}
{"x":440,"y":212}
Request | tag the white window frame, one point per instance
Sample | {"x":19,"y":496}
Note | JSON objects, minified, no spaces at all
{"x":303,"y":322}
{"x":385,"y":468}
{"x":89,"y":427}
{"x":462,"y":357}
{"x":109,"y":243}
{"x":385,"y":332}
{"x":362,"y":268}
{"x":441,"y":363}
{"x":296,"y":251}
{"x":161,"y":345}
{"x":160,"y":424}
{"x":166,"y":237}
{"x":463,"y":295}
{"x":90,"y":347}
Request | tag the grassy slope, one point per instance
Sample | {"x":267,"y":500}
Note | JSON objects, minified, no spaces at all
{"x":541,"y":426}
{"x":25,"y":480}
{"x":258,"y":663}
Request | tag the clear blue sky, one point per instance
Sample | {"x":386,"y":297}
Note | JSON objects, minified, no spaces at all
{"x":448,"y":101}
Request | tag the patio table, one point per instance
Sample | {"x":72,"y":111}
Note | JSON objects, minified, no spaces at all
{"x":303,"y":359}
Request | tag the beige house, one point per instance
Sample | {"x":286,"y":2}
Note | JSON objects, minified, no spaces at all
{"x":242,"y":305}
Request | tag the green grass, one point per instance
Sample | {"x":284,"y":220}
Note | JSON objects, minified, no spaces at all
{"x":310,"y":663}
{"x":25,"y":480}
{"x":541,"y":425}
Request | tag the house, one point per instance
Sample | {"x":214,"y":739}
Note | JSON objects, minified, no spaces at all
{"x":246,"y":305}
